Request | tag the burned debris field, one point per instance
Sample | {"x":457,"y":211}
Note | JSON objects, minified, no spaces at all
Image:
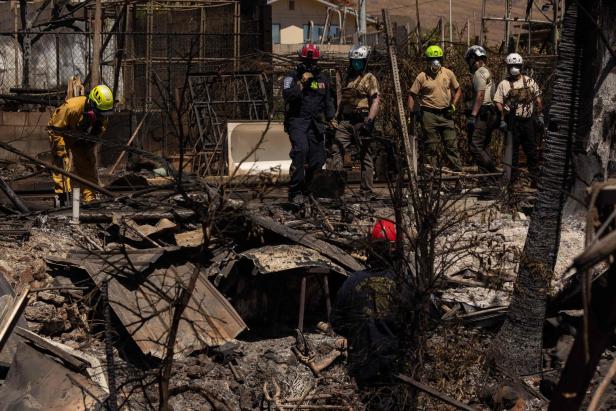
{"x":302,"y":205}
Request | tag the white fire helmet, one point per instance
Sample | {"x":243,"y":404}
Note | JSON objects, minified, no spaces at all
{"x":514,"y":59}
{"x":358,"y":52}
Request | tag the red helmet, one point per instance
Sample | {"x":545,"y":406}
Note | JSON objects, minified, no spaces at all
{"x":310,"y":52}
{"x":384,"y":230}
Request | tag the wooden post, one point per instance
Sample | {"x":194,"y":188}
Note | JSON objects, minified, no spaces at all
{"x":442,"y":25}
{"x":507,"y":24}
{"x":450,"y":25}
{"x":17,"y":51}
{"x":302,"y":303}
{"x":408,"y":142}
{"x":419,"y":41}
{"x":14,"y":198}
{"x":483,"y":28}
{"x":236,"y":37}
{"x":97,"y":43}
{"x":148,"y":55}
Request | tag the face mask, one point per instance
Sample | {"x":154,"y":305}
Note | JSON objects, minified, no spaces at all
{"x":514,"y":71}
{"x":435,"y":65}
{"x":471,"y":66}
{"x":91,"y":116}
{"x":358,"y":65}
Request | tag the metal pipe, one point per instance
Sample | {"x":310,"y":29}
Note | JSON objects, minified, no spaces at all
{"x":517,"y":20}
{"x":76,"y":199}
{"x":343,"y":27}
{"x":326,"y":26}
{"x":302,"y":303}
{"x":341,"y":39}
{"x":362,"y":21}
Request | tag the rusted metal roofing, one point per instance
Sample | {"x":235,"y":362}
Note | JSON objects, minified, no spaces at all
{"x":143,"y":291}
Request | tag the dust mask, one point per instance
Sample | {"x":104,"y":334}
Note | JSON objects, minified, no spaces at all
{"x":435,"y":65}
{"x":358,"y":65}
{"x":514,"y":71}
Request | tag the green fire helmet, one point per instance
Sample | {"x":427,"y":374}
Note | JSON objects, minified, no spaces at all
{"x":102,"y":98}
{"x":433,"y":52}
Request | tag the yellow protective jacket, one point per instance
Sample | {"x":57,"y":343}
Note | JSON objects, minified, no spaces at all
{"x":71,"y":117}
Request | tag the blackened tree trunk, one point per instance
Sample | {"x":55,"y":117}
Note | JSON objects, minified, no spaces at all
{"x":518,"y":345}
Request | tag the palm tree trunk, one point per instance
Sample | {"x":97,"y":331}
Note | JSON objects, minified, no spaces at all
{"x":518,"y":345}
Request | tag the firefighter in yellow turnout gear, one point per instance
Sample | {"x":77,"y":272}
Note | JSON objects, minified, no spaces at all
{"x":78,"y":115}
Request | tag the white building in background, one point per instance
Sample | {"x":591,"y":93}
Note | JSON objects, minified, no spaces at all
{"x":295,"y":22}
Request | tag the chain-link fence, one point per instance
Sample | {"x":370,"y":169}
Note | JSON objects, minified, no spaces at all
{"x":54,"y":58}
{"x":148,"y":49}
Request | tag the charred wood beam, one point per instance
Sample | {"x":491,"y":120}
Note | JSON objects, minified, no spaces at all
{"x":139,"y":217}
{"x":13,"y":197}
{"x":579,"y":370}
{"x":307,"y":240}
{"x":73,"y":362}
{"x":437,"y":394}
{"x":75,"y":177}
{"x":29,"y":100}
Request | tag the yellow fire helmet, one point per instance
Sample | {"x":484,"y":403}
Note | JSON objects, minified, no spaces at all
{"x":101,"y":98}
{"x":434,"y":52}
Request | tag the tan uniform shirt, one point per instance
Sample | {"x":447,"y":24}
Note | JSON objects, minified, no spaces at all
{"x":435,"y":91}
{"x":482,"y":81}
{"x":356,"y":94}
{"x":525,"y":105}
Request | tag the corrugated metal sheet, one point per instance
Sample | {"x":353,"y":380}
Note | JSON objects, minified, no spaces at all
{"x":271,"y":259}
{"x":143,"y":291}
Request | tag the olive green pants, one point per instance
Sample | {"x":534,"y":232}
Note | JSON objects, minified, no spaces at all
{"x":439,"y":135}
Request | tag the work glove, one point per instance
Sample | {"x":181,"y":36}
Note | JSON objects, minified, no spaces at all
{"x":367,"y":128}
{"x":333,"y":123}
{"x":503,"y":126}
{"x":306,"y":79}
{"x":541,"y":120}
{"x":470,"y":124}
{"x":452,"y":109}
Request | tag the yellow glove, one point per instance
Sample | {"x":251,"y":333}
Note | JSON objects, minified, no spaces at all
{"x":306,"y":77}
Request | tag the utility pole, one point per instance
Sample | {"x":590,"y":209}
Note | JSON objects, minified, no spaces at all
{"x":95,"y":70}
{"x":450,"y":25}
{"x":362,"y":21}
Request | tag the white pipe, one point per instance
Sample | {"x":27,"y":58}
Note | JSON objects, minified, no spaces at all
{"x":326,"y":26}
{"x":76,"y":198}
{"x":340,"y":26}
{"x":343,"y":27}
